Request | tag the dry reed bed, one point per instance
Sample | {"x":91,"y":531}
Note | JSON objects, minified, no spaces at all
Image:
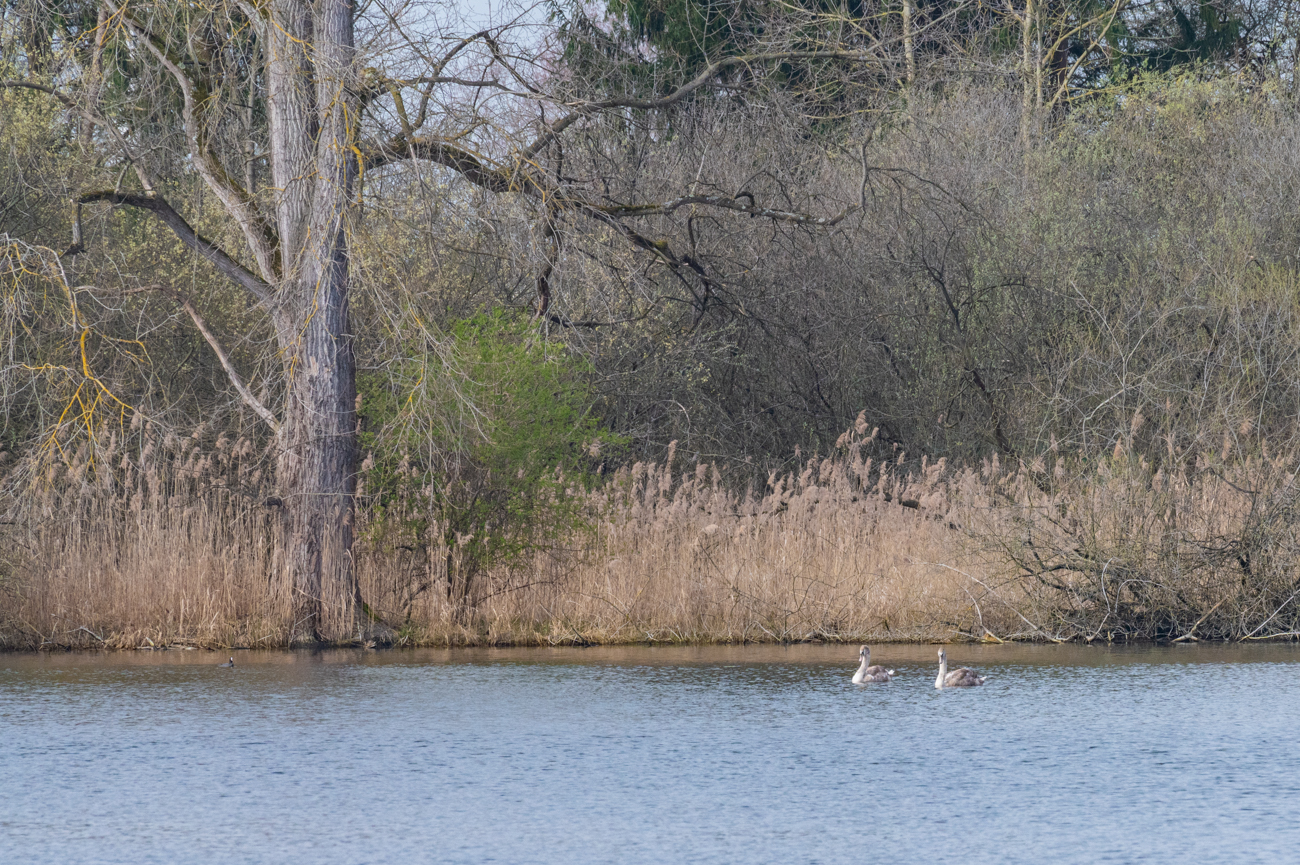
{"x":681,"y":558}
{"x":1202,"y":547}
{"x":169,"y":544}
{"x":163,"y":546}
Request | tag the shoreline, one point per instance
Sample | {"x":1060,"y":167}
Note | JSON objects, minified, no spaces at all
{"x":110,"y":644}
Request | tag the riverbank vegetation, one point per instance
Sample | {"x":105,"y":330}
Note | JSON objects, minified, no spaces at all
{"x":841,"y":548}
{"x":920,"y":323}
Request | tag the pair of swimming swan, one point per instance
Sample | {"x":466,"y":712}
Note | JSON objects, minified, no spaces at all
{"x":963,"y":677}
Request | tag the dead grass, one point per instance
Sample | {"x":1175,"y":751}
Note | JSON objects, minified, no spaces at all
{"x":171,"y":545}
{"x":680,"y":558}
{"x":164,"y":546}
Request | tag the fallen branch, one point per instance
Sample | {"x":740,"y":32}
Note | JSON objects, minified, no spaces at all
{"x":1188,"y":636}
{"x":1274,"y":616}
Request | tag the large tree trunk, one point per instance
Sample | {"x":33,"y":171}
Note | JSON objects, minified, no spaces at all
{"x":317,"y":470}
{"x":313,"y":112}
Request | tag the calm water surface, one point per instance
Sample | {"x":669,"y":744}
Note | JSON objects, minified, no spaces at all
{"x":745,"y":754}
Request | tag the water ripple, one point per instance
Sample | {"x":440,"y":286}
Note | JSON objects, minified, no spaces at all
{"x":645,"y":755}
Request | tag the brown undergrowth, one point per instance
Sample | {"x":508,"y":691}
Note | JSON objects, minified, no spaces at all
{"x":172,"y":544}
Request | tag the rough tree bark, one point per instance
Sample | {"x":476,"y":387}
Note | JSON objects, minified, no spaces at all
{"x":313,"y":111}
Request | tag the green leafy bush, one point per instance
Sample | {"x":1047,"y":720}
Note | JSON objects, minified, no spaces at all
{"x":489,"y":473}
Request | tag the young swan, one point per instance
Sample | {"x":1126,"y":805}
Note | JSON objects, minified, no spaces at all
{"x":867,"y":673}
{"x":963,"y":677}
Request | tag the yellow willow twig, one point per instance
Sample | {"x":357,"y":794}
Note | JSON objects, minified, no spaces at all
{"x":86,"y":371}
{"x":49,"y":269}
{"x":54,"y":436}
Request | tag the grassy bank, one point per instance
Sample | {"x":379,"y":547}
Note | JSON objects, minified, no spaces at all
{"x":849,"y":548}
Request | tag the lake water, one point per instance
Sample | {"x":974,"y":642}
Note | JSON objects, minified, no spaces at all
{"x":631,"y":755}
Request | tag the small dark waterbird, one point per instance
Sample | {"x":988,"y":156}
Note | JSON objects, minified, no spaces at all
{"x":229,"y":663}
{"x":963,"y":677}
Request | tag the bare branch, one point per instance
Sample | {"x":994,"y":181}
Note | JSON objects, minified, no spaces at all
{"x":218,"y":257}
{"x":723,"y":203}
{"x":467,"y":164}
{"x":238,"y":201}
{"x":585,"y":109}
{"x":444,"y":79}
{"x":235,"y":379}
{"x":145,"y":180}
{"x":43,"y":88}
